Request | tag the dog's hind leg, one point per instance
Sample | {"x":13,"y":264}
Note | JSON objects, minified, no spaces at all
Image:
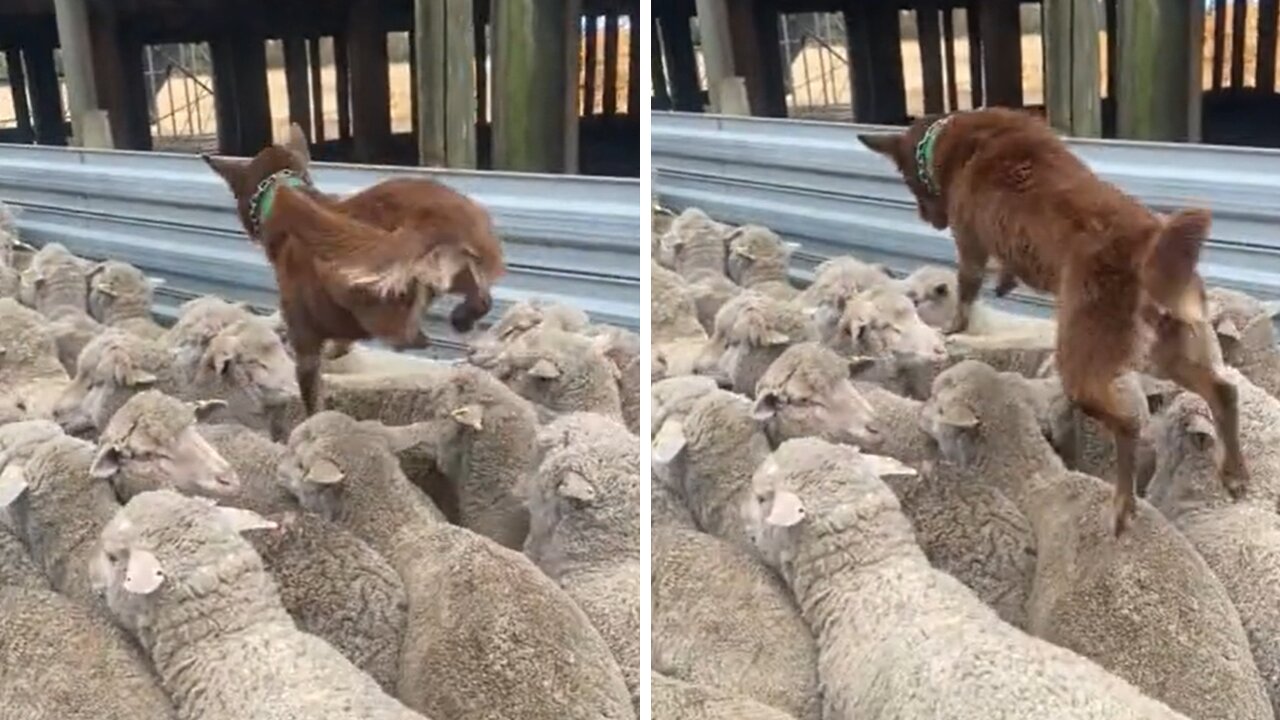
{"x":1099,"y":400}
{"x":307,"y":352}
{"x":971,"y":261}
{"x":1183,"y":353}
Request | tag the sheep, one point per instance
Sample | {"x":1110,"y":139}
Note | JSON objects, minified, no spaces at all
{"x":177,"y":575}
{"x":519,"y":319}
{"x":722,"y":619}
{"x":345,"y":469}
{"x":360,"y":360}
{"x":1085,"y":444}
{"x":697,"y":251}
{"x":56,"y":280}
{"x":16,"y":566}
{"x":837,"y":279}
{"x":10,"y":282}
{"x":676,"y":333}
{"x":60,"y":509}
{"x":934,"y":291}
{"x":30,"y":373}
{"x":1240,"y":540}
{"x":112,"y":368}
{"x":1247,"y":336}
{"x":971,"y":531}
{"x":759,"y":260}
{"x":1113,"y":601}
{"x":488,"y":444}
{"x":120,"y":296}
{"x":751,"y":332}
{"x":674,"y":396}
{"x":561,"y":372}
{"x":60,"y":659}
{"x":896,"y":637}
{"x":882,"y":323}
{"x":622,"y":349}
{"x":676,"y":700}
{"x":198,"y":322}
{"x":72,"y":330}
{"x":584,"y":530}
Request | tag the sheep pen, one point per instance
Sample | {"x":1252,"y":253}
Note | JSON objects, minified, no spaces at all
{"x":174,"y":545}
{"x":924,"y":516}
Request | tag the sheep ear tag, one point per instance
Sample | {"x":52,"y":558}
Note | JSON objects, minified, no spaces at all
{"x":787,"y":509}
{"x":12,"y":485}
{"x":106,"y":463}
{"x":144,"y":574}
{"x":242,"y":520}
{"x":470,"y":415}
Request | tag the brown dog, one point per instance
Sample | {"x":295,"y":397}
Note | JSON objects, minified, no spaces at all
{"x":1009,"y":188}
{"x":365,"y":266}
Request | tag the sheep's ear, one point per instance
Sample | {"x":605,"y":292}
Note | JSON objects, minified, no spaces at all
{"x":93,"y":271}
{"x":744,"y":253}
{"x":766,"y":406}
{"x":786,"y":510}
{"x":886,"y":144}
{"x":577,"y":488}
{"x":959,"y":416}
{"x":106,"y":463}
{"x":217,"y":361}
{"x":1227,"y":329}
{"x":545,"y":369}
{"x":324,"y":472}
{"x":859,"y":365}
{"x":144,"y":574}
{"x":884,"y":466}
{"x":206,"y":409}
{"x":402,"y":437}
{"x":470,"y":415}
{"x":242,"y":520}
{"x":12,"y":484}
{"x":668,"y":443}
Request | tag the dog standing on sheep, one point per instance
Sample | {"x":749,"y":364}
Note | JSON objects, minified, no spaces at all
{"x":1010,"y":189}
{"x":365,"y":266}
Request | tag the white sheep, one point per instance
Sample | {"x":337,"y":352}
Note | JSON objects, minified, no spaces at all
{"x":1246,"y":333}
{"x":1240,"y":540}
{"x":898,"y":638}
{"x":519,"y":319}
{"x":198,"y":321}
{"x":30,"y":374}
{"x":760,"y":261}
{"x":807,"y":391}
{"x":1119,"y":602}
{"x":882,"y":323}
{"x":622,"y":349}
{"x":584,"y":529}
{"x":17,"y":569}
{"x":672,"y":699}
{"x":120,"y":296}
{"x":751,"y":331}
{"x":836,"y":280}
{"x":697,"y":250}
{"x":674,"y":396}
{"x":934,"y":289}
{"x":177,"y":575}
{"x":677,"y":336}
{"x":561,"y":372}
{"x":346,"y":469}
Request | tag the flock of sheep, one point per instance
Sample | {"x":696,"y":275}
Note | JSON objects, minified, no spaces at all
{"x":855,"y":516}
{"x":177,"y":540}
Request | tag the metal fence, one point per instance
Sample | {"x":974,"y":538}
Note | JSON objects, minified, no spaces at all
{"x":570,"y":239}
{"x":815,"y":183}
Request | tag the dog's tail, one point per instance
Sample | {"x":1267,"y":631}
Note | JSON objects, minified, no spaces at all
{"x":1169,"y":273}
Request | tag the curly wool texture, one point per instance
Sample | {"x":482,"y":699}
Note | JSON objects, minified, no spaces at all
{"x":752,"y":330}
{"x":521,"y":318}
{"x":544,"y":638}
{"x":1240,"y":540}
{"x":838,"y":279}
{"x":896,"y":637}
{"x":760,"y":261}
{"x":1118,"y":602}
{"x":584,"y":532}
{"x":198,"y":322}
{"x":1247,"y":335}
{"x":120,"y":296}
{"x":61,"y":660}
{"x":10,"y":282}
{"x":673,"y":698}
{"x":215,"y":628}
{"x":57,"y":280}
{"x":674,"y":397}
{"x":256,"y":461}
{"x":17,"y":569}
{"x":483,"y":466}
{"x":622,"y":349}
{"x":30,"y":373}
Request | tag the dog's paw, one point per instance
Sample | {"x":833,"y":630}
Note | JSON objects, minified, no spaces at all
{"x":1123,"y":509}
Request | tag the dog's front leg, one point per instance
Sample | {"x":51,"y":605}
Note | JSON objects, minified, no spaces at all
{"x":969,"y":275}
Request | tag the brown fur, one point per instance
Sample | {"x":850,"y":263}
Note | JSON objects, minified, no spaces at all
{"x":365,"y":266}
{"x":1010,"y":189}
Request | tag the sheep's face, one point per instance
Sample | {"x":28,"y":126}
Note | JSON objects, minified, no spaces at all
{"x":751,"y":244}
{"x":250,"y":361}
{"x":152,"y":443}
{"x":933,"y":291}
{"x":1242,"y":324}
{"x":111,"y":282}
{"x":882,"y":323}
{"x":836,"y":412}
{"x":107,"y":376}
{"x":1186,"y":453}
{"x":951,"y":420}
{"x":56,"y":281}
{"x":312,"y":473}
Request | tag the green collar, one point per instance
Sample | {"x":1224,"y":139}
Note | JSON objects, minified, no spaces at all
{"x":264,"y":197}
{"x":924,"y":154}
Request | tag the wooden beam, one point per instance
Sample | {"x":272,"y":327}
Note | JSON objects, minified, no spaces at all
{"x":1219,"y":41}
{"x":317,"y":90}
{"x":46,"y":95}
{"x":241,"y":97}
{"x":930,"y":42}
{"x":1073,"y":96}
{"x":18,"y":88}
{"x":977,"y":83}
{"x":633,"y":64}
{"x":590,"y":64}
{"x":1239,"y":29}
{"x":530,"y":82}
{"x":682,"y":64}
{"x":121,"y":83}
{"x":717,"y":48}
{"x":295,"y":78}
{"x":444,"y":57}
{"x":609,"y":105}
{"x":874,"y":44}
{"x":1002,"y":51}
{"x":1158,"y":96}
{"x":949,"y":45}
{"x":657,"y":69}
{"x":482,"y":60}
{"x":77,"y":62}
{"x":342,"y":68}
{"x":370,"y":82}
{"x":1268,"y":16}
{"x":757,"y":56}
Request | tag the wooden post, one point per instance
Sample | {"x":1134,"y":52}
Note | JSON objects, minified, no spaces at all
{"x":571,"y":75}
{"x":1158,"y":96}
{"x":77,"y":62}
{"x":874,"y":43}
{"x":444,"y":56}
{"x":18,"y":88}
{"x":1219,"y":41}
{"x":46,"y":95}
{"x":317,"y":90}
{"x":949,"y":45}
{"x":342,"y":69}
{"x":482,"y":72}
{"x":757,"y":56}
{"x":657,"y":69}
{"x":590,"y":63}
{"x":1002,"y":51}
{"x":682,"y":64}
{"x":120,"y":83}
{"x":609,"y":106}
{"x":977,"y":85}
{"x":1073,"y":95}
{"x":531,"y":46}
{"x":633,"y":64}
{"x":930,"y":41}
{"x":241,"y":98}
{"x":1239,"y":28}
{"x":717,"y":48}
{"x":370,"y":83}
{"x":295,"y":78}
{"x":1268,"y":14}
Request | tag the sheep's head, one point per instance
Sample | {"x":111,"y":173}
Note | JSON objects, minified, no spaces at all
{"x":113,"y":282}
{"x":699,"y":436}
{"x":330,"y":451}
{"x":26,"y":342}
{"x":162,"y":545}
{"x":547,"y":366}
{"x":693,"y":228}
{"x":112,"y":368}
{"x":247,"y":359}
{"x":1184,"y":455}
{"x":47,"y":480}
{"x":807,"y":391}
{"x":933,"y":291}
{"x":883,"y":322}
{"x":18,"y":442}
{"x":199,"y":321}
{"x":55,"y":279}
{"x":810,"y":486}
{"x":1242,"y":323}
{"x":750,"y":245}
{"x":971,"y":404}
{"x":750,"y":321}
{"x":152,"y":442}
{"x":673,"y":397}
{"x":520,"y":319}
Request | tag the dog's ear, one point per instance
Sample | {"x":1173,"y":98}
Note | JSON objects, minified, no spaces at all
{"x":298,"y":145}
{"x":886,"y":144}
{"x":231,"y":169}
